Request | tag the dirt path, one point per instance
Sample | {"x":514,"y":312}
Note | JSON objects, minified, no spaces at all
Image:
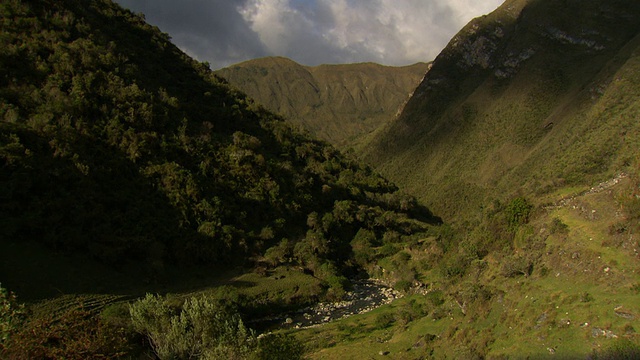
{"x":594,"y":190}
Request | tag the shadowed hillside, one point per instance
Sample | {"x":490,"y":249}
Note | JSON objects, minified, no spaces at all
{"x":337,"y":103}
{"x":535,"y":96}
{"x":117,"y":146}
{"x":127,"y":167}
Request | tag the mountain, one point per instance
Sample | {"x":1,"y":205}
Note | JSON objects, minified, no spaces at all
{"x":533,"y":97}
{"x":336,"y":103}
{"x":524,"y":137}
{"x":149,"y":210}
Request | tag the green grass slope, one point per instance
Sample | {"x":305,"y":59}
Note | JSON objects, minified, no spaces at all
{"x":336,"y":103}
{"x":535,"y":96}
{"x":566,"y":285}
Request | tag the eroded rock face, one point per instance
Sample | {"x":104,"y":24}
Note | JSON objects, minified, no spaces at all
{"x":516,"y":32}
{"x":512,"y":63}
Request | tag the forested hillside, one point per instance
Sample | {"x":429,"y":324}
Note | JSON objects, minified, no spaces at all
{"x":118,"y":149}
{"x":340,"y":104}
{"x":533,"y":97}
{"x":118,"y":146}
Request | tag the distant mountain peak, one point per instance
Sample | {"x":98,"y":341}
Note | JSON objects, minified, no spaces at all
{"x":339,"y":103}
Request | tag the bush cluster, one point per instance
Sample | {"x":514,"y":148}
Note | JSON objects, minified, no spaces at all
{"x":202,"y":328}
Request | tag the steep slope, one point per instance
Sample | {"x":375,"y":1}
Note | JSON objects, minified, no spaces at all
{"x":337,"y":103}
{"x":539,"y":94}
{"x":116,"y":146}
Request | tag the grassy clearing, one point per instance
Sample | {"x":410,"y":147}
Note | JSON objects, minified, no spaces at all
{"x":270,"y":293}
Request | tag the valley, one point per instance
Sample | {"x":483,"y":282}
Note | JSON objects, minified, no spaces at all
{"x":485,"y":205}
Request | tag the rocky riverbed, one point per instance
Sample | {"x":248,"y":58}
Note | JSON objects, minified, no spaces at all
{"x":365,"y":296}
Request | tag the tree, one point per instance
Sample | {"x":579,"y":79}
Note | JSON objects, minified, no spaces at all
{"x":517,"y":212}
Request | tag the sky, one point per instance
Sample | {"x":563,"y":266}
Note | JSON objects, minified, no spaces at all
{"x":311,"y":32}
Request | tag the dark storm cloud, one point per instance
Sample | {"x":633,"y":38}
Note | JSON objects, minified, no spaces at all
{"x":209,"y":30}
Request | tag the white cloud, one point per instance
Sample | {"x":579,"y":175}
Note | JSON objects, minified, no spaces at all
{"x":392,"y":32}
{"x":465,"y":10}
{"x":271,"y":21}
{"x":311,"y":32}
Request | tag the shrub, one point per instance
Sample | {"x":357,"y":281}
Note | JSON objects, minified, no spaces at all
{"x":384,"y":320}
{"x":11,"y":313}
{"x":447,"y":236}
{"x":516,"y":266}
{"x":586,"y":297}
{"x":454,"y":266}
{"x":628,"y":329}
{"x":435,"y":297}
{"x":362,"y":246}
{"x":338,"y":286}
{"x":620,"y":349}
{"x":517,"y":212}
{"x":74,"y":334}
{"x":279,"y":254}
{"x":404,"y":257}
{"x":558,"y":227}
{"x":201,"y":328}
{"x":279,"y":346}
{"x":403,"y":285}
{"x":409,"y":312}
{"x":391,"y":236}
{"x":387,"y":250}
{"x":438,"y":313}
